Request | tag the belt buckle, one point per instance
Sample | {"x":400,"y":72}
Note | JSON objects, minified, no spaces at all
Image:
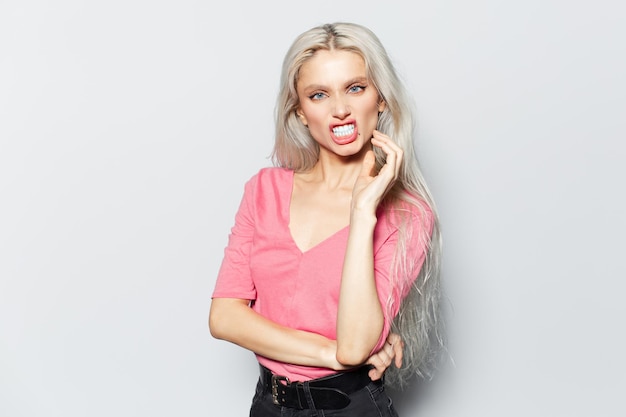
{"x":277,"y":380}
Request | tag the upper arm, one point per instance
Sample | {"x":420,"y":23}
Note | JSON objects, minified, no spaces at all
{"x":234,"y":278}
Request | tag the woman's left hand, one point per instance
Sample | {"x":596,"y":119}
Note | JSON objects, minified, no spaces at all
{"x":382,"y":359}
{"x":370,"y":188}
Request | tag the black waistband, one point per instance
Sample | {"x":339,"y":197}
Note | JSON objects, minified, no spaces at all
{"x":330,"y":392}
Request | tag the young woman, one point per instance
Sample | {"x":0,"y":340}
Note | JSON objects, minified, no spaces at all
{"x":334,"y":251}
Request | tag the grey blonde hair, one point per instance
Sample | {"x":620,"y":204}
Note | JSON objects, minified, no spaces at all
{"x":419,"y":321}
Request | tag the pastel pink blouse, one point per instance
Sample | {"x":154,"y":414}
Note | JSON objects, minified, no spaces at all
{"x":294,"y":288}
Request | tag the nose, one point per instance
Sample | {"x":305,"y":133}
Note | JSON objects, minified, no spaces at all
{"x":341,"y":108}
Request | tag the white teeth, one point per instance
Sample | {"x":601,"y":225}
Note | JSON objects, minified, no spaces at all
{"x":344,"y":130}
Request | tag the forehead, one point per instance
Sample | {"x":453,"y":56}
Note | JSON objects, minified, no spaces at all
{"x":330,"y":67}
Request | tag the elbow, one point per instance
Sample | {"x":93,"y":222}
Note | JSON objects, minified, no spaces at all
{"x":216,"y":323}
{"x":355,"y":348}
{"x":225,"y":316}
{"x":213,"y":326}
{"x":352,"y":356}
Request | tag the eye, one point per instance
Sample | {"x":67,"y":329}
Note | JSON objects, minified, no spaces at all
{"x":356,"y":88}
{"x":317,"y":96}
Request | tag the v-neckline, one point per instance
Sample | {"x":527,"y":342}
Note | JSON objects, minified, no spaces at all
{"x":288,"y":217}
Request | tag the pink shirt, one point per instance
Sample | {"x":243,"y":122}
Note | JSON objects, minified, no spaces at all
{"x":294,"y":288}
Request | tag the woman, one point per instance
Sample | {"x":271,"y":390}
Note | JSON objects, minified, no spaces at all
{"x":338,"y":244}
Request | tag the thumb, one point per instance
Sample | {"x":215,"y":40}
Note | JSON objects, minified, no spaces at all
{"x":369,"y":162}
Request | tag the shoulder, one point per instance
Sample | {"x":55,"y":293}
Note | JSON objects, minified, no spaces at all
{"x":409,"y":219}
{"x":271,"y":175}
{"x":410,"y":213}
{"x":275,"y":174}
{"x":423,"y":213}
{"x":269,"y":182}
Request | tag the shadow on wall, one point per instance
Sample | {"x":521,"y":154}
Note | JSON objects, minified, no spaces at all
{"x":420,"y":392}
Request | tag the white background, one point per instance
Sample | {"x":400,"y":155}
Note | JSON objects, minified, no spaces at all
{"x":127,"y":131}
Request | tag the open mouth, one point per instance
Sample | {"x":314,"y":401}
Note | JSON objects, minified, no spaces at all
{"x":343,"y":131}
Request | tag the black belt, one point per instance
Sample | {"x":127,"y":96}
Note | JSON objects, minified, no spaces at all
{"x":330,"y":392}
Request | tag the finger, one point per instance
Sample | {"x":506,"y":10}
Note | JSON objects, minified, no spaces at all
{"x":398,"y":347}
{"x":398,"y":351}
{"x":384,"y":357}
{"x":374,"y":374}
{"x":379,"y":136}
{"x":378,"y":368}
{"x":394,"y":153}
{"x":389,"y":170}
{"x":381,"y":360}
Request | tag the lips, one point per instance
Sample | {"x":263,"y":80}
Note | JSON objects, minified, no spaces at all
{"x":344,"y":134}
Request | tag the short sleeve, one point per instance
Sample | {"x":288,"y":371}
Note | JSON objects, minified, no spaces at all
{"x":234,"y":279}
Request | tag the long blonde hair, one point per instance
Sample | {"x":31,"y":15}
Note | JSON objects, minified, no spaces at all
{"x":419,"y":320}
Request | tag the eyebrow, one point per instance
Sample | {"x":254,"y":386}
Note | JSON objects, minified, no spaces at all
{"x":356,"y":80}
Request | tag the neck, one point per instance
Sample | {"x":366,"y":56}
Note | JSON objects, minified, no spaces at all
{"x":337,"y":171}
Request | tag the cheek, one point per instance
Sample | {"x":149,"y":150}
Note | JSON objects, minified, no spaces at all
{"x":313,"y":117}
{"x":373,"y":111}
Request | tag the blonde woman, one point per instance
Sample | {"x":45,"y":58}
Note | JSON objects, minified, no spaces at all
{"x":332,"y":265}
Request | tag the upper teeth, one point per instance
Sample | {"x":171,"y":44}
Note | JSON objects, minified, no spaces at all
{"x":344,"y":130}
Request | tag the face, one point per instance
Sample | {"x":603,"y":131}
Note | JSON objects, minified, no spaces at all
{"x":338,"y":103}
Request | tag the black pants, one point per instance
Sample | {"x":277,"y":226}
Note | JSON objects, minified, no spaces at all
{"x":370,"y":401}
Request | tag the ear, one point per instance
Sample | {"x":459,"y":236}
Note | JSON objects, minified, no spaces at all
{"x":302,"y":117}
{"x":381,"y":106}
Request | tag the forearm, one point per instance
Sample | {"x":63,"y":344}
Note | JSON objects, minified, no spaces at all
{"x":233,"y":320}
{"x":360,"y":316}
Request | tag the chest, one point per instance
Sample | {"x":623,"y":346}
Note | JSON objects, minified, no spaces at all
{"x":315,"y":216}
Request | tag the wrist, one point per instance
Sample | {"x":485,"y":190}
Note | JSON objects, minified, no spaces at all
{"x":362,"y":216}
